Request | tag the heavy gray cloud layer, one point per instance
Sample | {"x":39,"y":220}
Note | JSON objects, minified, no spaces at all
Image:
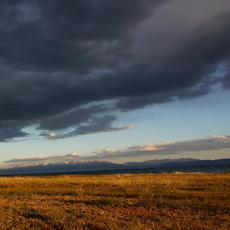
{"x":56,"y":57}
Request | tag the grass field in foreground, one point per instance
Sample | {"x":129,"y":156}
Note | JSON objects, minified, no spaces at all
{"x":150,"y":201}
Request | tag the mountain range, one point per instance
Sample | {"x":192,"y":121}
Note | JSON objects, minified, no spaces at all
{"x":166,"y":165}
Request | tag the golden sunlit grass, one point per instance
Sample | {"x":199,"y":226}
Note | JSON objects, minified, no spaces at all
{"x":150,"y":201}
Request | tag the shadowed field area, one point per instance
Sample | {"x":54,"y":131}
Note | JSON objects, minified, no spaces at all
{"x":151,"y":201}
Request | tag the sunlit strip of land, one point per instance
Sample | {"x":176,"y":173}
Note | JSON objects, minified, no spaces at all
{"x":150,"y":201}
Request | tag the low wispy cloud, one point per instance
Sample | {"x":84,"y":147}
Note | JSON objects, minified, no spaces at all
{"x":154,"y":150}
{"x":207,"y":144}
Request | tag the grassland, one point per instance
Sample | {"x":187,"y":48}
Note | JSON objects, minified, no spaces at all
{"x":138,"y":202}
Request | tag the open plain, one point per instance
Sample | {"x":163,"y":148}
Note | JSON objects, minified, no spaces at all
{"x":100,"y":202}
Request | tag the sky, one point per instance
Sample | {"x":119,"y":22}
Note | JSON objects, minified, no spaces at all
{"x":114,"y":80}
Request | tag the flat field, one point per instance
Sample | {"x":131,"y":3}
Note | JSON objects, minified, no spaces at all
{"x":128,"y":202}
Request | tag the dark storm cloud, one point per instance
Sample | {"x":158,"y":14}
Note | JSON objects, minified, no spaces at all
{"x":99,"y":124}
{"x":11,"y":130}
{"x":95,"y":125}
{"x":74,"y":117}
{"x":66,"y":36}
{"x":226,"y":75}
{"x":227,"y":81}
{"x":8,"y":134}
{"x":56,"y":57}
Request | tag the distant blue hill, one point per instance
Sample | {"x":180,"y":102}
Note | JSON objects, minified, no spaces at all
{"x":105,"y":167}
